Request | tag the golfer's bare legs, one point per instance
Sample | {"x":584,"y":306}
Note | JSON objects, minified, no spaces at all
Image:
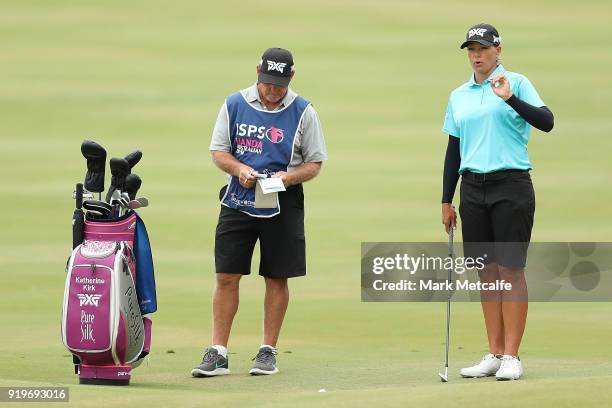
{"x":514,"y":308}
{"x":275,"y":306}
{"x":492,"y":310}
{"x":225,"y":305}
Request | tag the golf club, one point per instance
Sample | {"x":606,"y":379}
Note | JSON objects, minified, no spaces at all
{"x":133,"y":158}
{"x":140,"y":202}
{"x":115,"y":202}
{"x":94,"y":215}
{"x":124,"y":201}
{"x":98,"y":206}
{"x":96,"y":163}
{"x":444,"y":377}
{"x":120,"y":168}
{"x":132,"y":184}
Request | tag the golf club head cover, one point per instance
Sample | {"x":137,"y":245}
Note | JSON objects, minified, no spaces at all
{"x":132,"y":184}
{"x":133,"y":158}
{"x":96,"y":163}
{"x":120,"y":168}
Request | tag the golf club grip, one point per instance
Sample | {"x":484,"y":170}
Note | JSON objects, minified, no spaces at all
{"x":79,"y":196}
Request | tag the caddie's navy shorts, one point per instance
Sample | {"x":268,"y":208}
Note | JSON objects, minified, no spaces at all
{"x":281,"y":239}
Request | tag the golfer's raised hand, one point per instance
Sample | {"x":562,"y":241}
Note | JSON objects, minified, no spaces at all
{"x":245,"y":177}
{"x":503,"y":86}
{"x":449,"y":216}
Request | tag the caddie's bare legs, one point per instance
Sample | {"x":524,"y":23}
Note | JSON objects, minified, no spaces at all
{"x":275,"y":306}
{"x":225,"y":306}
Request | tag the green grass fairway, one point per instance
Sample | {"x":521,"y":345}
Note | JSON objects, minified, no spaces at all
{"x":153,"y":74}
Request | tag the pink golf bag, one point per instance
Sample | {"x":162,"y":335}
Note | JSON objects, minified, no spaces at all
{"x":102,"y":325}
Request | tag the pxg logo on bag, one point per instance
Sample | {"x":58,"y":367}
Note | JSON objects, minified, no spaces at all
{"x":86,"y":299}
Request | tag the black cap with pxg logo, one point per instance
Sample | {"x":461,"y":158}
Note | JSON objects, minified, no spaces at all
{"x":484,"y":34}
{"x":276,"y":67}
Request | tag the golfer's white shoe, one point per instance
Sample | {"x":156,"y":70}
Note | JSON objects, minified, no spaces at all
{"x":488,"y":366}
{"x":511,"y":368}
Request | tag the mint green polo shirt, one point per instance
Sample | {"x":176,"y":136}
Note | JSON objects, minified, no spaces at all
{"x":492,"y":136}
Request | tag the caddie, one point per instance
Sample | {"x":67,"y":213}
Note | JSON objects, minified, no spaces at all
{"x":262,"y":132}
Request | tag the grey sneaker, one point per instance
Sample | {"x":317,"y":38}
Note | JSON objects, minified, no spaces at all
{"x":265,"y":362}
{"x":213,"y":364}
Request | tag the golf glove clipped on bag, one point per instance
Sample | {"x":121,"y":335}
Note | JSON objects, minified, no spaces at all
{"x":96,"y":164}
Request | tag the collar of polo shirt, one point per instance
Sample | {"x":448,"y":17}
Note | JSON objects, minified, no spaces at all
{"x":499,"y":70}
{"x":252,"y":94}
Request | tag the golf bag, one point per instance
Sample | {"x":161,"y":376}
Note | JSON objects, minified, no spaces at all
{"x":102,"y":322}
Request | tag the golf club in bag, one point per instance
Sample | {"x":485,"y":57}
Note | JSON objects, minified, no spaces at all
{"x":78,"y":218}
{"x":109,"y":294}
{"x":449,"y":279}
{"x":96,"y":162}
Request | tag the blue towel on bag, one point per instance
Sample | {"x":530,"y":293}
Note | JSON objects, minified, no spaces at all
{"x":145,"y":277}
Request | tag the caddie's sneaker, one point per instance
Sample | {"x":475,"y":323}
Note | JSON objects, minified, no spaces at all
{"x":488,"y":366}
{"x":265,"y":362}
{"x":212,"y":364}
{"x":511,"y":368}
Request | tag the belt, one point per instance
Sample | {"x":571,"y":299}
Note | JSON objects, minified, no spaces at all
{"x":492,"y":176}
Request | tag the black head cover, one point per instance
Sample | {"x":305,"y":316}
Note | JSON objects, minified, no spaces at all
{"x":133,"y":158}
{"x":132,"y":184}
{"x":120,"y":168}
{"x":96,"y":163}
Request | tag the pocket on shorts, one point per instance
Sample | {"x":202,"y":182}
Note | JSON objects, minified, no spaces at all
{"x":523,"y":188}
{"x":295,"y":197}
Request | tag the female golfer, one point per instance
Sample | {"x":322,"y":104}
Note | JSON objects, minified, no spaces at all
{"x":488,"y":121}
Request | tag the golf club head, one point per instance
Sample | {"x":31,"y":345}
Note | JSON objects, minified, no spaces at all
{"x":144,"y":201}
{"x":120,"y":168}
{"x":115,"y":196}
{"x":132,"y":185}
{"x":139,"y":203}
{"x":444,"y":377}
{"x":92,"y":150}
{"x":94,"y":215}
{"x":98,"y":206}
{"x":133,"y":158}
{"x":96,"y":162}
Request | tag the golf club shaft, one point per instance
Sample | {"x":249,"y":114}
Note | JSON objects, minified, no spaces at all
{"x":449,"y":293}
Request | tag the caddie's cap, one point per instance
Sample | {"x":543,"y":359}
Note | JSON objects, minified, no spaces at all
{"x":276,"y":67}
